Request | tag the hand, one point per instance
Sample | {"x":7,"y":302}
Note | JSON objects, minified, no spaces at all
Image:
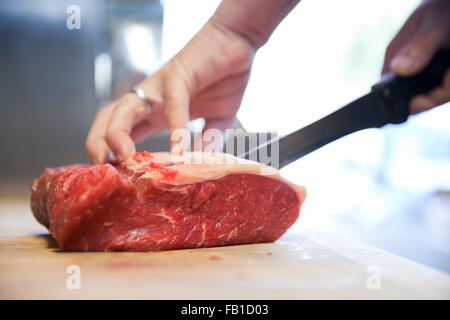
{"x":425,"y":32}
{"x":207,"y":79}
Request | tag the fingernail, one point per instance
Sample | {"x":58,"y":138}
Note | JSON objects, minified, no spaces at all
{"x":402,"y":63}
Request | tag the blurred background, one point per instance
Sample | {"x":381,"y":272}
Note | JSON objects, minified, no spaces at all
{"x":389,"y":187}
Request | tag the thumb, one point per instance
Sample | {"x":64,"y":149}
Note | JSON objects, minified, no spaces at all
{"x":416,"y":53}
{"x":176,"y":109}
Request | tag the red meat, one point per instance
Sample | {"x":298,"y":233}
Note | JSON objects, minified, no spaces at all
{"x":150,"y":202}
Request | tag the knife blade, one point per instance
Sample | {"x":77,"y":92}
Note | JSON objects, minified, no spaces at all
{"x":386,"y":103}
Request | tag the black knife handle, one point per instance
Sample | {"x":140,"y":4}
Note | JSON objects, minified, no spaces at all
{"x":395,"y":92}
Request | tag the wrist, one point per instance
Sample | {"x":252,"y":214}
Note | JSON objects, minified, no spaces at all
{"x":253,"y":20}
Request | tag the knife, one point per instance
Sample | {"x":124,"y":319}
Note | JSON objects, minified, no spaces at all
{"x":386,"y":103}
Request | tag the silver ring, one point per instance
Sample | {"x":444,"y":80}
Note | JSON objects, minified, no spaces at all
{"x":143,"y":97}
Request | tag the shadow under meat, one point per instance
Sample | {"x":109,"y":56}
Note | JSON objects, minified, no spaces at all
{"x":50,"y":241}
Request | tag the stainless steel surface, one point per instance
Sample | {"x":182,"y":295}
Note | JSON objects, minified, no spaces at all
{"x":48,"y":95}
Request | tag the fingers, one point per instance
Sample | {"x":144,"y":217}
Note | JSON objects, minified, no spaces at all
{"x":141,"y":131}
{"x":117,"y":127}
{"x":96,"y":145}
{"x":403,"y":36}
{"x":155,"y":122}
{"x":416,"y":53}
{"x":424,"y":102}
{"x":128,"y":112}
{"x":176,"y":110}
{"x":425,"y":31}
{"x":434,"y":98}
{"x":420,"y":103}
{"x":112,"y":127}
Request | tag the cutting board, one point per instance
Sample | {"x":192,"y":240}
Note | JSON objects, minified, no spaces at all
{"x":298,"y":266}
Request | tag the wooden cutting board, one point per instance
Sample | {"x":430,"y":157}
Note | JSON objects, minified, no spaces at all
{"x":308,"y":265}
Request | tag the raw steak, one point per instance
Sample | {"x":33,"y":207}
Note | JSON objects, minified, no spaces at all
{"x":153,"y":202}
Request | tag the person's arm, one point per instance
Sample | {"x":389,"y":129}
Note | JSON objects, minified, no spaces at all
{"x":207,"y":79}
{"x":425,"y":32}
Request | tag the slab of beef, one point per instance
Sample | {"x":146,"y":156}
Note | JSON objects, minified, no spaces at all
{"x":156,"y":202}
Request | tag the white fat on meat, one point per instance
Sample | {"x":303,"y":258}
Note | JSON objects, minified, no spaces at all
{"x":195,"y":167}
